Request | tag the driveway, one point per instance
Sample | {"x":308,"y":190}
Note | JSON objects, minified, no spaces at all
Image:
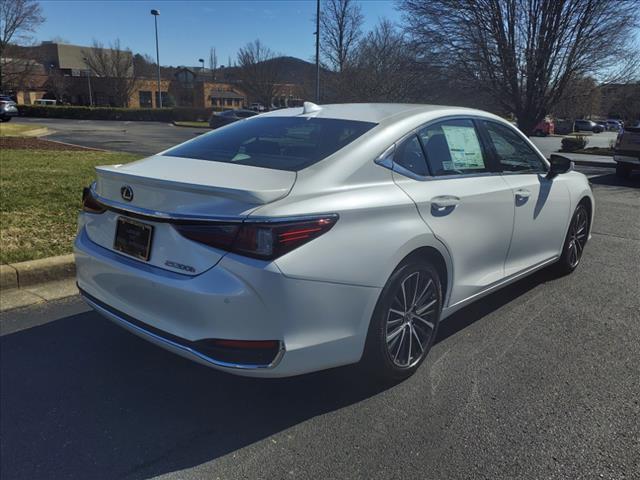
{"x":539,"y":380}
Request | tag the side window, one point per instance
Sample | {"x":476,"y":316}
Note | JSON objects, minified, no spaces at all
{"x":453,"y":148}
{"x":513,"y":153}
{"x":409,"y":155}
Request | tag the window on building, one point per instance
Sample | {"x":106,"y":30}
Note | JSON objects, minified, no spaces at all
{"x":157,"y":100}
{"x":145,"y":99}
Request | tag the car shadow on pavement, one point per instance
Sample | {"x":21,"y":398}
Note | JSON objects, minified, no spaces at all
{"x":82,"y":398}
{"x":614,"y":181}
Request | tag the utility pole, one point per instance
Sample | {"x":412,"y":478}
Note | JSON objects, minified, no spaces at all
{"x":317,"y":51}
{"x":155,"y":14}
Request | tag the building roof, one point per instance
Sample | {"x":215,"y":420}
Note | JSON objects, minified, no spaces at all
{"x":225,"y":94}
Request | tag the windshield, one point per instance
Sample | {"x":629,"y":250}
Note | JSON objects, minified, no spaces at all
{"x":281,"y":143}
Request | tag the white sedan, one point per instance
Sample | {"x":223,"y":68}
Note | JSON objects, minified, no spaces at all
{"x":313,"y":237}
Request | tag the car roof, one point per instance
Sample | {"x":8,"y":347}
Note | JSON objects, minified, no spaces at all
{"x":370,"y":112}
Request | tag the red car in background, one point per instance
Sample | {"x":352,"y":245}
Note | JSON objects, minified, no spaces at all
{"x":544,"y":127}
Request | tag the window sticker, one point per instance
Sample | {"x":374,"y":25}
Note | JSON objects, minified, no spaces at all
{"x":463,"y":146}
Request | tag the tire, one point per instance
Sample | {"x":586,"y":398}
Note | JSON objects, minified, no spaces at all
{"x":398,"y":339}
{"x":623,"y":170}
{"x":574,"y":242}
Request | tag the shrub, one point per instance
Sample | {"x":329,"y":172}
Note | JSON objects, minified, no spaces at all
{"x":115,"y":113}
{"x":571,"y":144}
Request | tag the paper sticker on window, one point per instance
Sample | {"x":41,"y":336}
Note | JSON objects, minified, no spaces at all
{"x":463,"y":146}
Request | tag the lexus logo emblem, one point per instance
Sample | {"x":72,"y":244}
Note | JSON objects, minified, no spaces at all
{"x":126,"y":192}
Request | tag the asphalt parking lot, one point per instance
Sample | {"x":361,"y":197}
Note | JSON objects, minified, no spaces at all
{"x":143,"y":138}
{"x":539,"y":380}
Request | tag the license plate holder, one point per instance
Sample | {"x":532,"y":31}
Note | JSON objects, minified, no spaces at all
{"x":133,"y":238}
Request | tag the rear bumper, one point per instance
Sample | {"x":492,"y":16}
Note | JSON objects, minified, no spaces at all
{"x":319,"y":324}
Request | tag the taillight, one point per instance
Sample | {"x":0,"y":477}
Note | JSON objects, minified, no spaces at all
{"x":90,"y":204}
{"x":264,"y":240}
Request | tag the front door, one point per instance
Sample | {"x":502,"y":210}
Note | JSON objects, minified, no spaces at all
{"x":541,"y":204}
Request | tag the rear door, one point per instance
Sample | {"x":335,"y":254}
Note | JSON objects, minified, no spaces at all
{"x":541,"y":205}
{"x":464,"y":202}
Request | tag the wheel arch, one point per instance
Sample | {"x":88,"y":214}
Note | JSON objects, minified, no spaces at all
{"x":434,"y":256}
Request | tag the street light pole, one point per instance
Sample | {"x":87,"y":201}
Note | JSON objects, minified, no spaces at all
{"x":318,"y":51}
{"x":89,"y":81}
{"x":155,"y":14}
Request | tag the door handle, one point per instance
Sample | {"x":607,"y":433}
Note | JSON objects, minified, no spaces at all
{"x":445,"y":201}
{"x":522,"y":193}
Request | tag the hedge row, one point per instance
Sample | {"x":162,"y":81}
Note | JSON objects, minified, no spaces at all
{"x":114,"y":113}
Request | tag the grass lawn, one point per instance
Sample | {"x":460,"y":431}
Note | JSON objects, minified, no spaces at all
{"x":16,"y":129}
{"x":40,"y":195}
{"x":192,"y":124}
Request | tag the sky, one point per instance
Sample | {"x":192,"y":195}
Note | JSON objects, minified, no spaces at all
{"x":187,"y":29}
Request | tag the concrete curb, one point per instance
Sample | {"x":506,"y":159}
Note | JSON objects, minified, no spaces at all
{"x":35,"y":272}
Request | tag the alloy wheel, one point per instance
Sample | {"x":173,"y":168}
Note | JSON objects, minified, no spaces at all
{"x":578,"y":237}
{"x":411,"y":319}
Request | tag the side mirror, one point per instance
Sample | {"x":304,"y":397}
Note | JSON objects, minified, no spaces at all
{"x":559,"y":164}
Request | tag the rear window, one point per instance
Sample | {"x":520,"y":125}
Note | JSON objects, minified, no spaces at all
{"x":281,"y":143}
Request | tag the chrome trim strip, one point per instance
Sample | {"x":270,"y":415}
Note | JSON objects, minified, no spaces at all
{"x":217,"y":363}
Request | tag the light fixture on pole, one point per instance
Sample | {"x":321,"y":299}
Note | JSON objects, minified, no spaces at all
{"x":201,"y":60}
{"x":155,"y":14}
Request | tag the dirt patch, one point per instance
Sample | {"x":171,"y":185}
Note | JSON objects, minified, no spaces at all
{"x":30,"y":143}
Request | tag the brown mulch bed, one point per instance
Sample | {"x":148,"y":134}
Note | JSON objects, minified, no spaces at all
{"x":33,"y":143}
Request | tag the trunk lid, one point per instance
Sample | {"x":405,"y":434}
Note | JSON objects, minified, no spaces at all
{"x":165,"y":186}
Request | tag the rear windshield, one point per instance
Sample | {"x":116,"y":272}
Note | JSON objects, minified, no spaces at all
{"x":281,"y":143}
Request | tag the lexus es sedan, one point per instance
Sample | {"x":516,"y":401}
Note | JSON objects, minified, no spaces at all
{"x":308,"y":238}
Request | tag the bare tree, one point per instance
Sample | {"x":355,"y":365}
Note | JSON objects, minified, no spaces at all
{"x":18,"y":19}
{"x":258,"y":72}
{"x":115,"y":66}
{"x":582,"y":100}
{"x":340,"y":29}
{"x":213,"y":62}
{"x":58,"y":85}
{"x":144,"y":66}
{"x":526,"y":53}
{"x":382,"y":69}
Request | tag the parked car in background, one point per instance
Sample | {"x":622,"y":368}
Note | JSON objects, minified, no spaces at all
{"x":544,"y":128}
{"x":587,"y":126}
{"x":257,"y":107}
{"x":614,"y":125}
{"x":45,"y":101}
{"x":310,"y":238}
{"x":627,"y":151}
{"x":219,"y":119}
{"x":8,"y":108}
